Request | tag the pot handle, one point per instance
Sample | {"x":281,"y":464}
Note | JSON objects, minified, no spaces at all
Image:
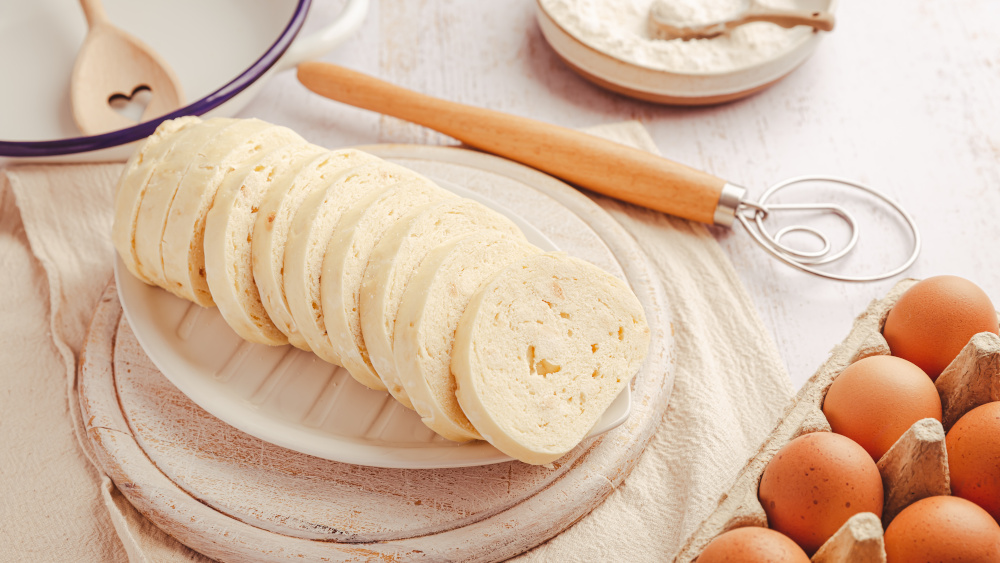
{"x":325,"y":39}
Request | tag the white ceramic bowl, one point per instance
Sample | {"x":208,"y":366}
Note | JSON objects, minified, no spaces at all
{"x":222,"y":51}
{"x":677,"y":88}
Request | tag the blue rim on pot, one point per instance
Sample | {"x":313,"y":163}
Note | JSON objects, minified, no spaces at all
{"x":199,"y":107}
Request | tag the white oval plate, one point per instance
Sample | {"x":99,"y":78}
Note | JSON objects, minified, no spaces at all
{"x":293,"y":398}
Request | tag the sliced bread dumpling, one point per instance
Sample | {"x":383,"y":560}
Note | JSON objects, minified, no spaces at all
{"x":182,"y":247}
{"x":541,"y":352}
{"x":274,"y":221}
{"x":393,"y":262}
{"x":429,"y":311}
{"x":308,"y":236}
{"x":161,"y":189}
{"x":229,"y":234}
{"x":132,"y":187}
{"x":345,"y":260}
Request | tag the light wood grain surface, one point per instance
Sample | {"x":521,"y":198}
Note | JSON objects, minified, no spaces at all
{"x":910,"y":108}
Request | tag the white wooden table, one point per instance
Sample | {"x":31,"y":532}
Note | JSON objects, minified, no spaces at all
{"x":912,"y":108}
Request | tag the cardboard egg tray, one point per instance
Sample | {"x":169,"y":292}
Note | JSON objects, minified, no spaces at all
{"x":915,"y":467}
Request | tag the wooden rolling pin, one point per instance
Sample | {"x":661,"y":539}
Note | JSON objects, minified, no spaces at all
{"x":590,"y":162}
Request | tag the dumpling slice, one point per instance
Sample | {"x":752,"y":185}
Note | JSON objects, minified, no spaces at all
{"x":541,"y":352}
{"x":229,"y":236}
{"x":429,"y":311}
{"x":182,"y":247}
{"x":309,"y":233}
{"x":346,"y":258}
{"x":397,"y":257}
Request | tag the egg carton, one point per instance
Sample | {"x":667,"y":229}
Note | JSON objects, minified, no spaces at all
{"x":915,"y":467}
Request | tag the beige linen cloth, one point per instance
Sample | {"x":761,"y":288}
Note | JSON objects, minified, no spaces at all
{"x":56,"y":257}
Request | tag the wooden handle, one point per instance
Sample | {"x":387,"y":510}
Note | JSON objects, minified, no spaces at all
{"x":823,"y":21}
{"x":590,"y":162}
{"x":93,"y":10}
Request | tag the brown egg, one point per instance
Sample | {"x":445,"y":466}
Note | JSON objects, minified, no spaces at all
{"x":974,"y":457}
{"x":942,"y":529}
{"x":876,"y":399}
{"x":815,"y":483}
{"x":752,"y":545}
{"x":934,"y":320}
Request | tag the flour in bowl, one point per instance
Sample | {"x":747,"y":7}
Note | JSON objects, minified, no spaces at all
{"x":619,"y":28}
{"x":688,"y":13}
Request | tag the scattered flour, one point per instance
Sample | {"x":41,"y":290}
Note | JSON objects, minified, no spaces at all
{"x":619,"y":29}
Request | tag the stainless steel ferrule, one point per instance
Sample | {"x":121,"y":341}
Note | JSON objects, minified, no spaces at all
{"x":729,"y":202}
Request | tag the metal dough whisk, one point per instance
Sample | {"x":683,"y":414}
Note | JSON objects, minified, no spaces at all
{"x":612,"y":169}
{"x":753,"y":214}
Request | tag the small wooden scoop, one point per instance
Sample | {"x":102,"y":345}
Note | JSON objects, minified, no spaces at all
{"x":114,"y":65}
{"x":662,"y":26}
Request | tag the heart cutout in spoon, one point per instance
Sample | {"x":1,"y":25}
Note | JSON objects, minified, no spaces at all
{"x":132,"y":106}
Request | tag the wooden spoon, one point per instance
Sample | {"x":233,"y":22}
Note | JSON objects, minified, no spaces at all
{"x":663,"y":26}
{"x":111,"y":65}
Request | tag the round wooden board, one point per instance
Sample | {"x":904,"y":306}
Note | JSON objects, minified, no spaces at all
{"x":234,"y":497}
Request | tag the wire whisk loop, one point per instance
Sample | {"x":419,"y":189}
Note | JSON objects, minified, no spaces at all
{"x":752,"y":215}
